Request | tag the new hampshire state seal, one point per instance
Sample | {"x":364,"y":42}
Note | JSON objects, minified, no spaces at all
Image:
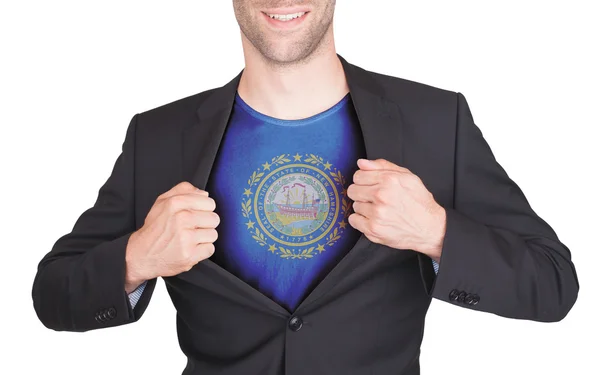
{"x":296,"y":205}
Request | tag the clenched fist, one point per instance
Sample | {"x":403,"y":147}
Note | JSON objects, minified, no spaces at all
{"x":178,"y":232}
{"x":393,"y":207}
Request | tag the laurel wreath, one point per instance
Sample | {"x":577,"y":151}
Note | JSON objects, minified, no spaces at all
{"x":309,"y":252}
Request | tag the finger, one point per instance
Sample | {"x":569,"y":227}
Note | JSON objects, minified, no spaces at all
{"x":380,"y":164}
{"x":202,"y":251}
{"x":368,"y":177}
{"x":190,"y":201}
{"x":205,"y":219}
{"x":360,"y":193}
{"x":182,"y":188}
{"x":196,"y":219}
{"x":204,"y":236}
{"x":196,"y":193}
{"x":364,"y":209}
{"x":358,"y":222}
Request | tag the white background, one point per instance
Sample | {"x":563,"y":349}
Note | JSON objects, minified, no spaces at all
{"x":74,"y":73}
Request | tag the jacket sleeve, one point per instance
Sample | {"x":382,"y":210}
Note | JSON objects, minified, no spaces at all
{"x":498,"y":255}
{"x":80,"y":283}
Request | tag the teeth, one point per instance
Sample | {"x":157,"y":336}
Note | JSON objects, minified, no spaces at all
{"x":286,"y":17}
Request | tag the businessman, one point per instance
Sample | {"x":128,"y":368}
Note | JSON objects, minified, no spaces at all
{"x":304,"y":215}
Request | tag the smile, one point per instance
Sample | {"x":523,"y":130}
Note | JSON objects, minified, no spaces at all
{"x":286,"y":17}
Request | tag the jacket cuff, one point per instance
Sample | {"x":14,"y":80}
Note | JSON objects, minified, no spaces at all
{"x":447,"y":283}
{"x":99,"y":300}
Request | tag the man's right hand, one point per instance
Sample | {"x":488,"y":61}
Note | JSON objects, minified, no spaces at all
{"x":179,"y":231}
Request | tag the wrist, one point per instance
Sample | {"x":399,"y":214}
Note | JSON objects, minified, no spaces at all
{"x":434,"y":243}
{"x":134,"y":275}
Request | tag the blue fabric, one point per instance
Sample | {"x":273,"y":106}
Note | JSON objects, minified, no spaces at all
{"x":280,"y":189}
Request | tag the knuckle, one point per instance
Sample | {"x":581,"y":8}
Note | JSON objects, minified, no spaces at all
{"x":185,"y":252}
{"x":412,"y":180}
{"x":417,"y":180}
{"x":379,"y":211}
{"x":374,"y":239}
{"x":185,"y":185}
{"x":376,"y":230}
{"x":380,"y":194}
{"x":372,"y":228}
{"x":182,"y":217}
{"x":184,"y":267}
{"x":185,"y":238}
{"x":190,"y":255}
{"x":189,"y":263}
{"x":389,"y":178}
{"x":175,"y":203}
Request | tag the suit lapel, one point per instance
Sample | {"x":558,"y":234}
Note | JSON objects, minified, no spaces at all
{"x":381,"y":125}
{"x":380,"y":119}
{"x":201,"y":141}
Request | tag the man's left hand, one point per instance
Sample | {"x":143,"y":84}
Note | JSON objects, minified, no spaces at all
{"x":393,"y":207}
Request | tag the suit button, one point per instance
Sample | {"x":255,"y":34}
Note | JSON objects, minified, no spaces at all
{"x":295,"y":324}
{"x":453,"y":295}
{"x":475,"y":299}
{"x":469,"y":299}
{"x":112,"y":312}
{"x":461,"y":296}
{"x":99,"y":317}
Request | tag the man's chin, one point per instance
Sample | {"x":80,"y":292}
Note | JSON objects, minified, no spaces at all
{"x":286,"y":57}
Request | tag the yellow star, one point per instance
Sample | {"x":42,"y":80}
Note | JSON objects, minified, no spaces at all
{"x":266,"y":166}
{"x":247,"y":192}
{"x":321,"y":248}
{"x":250,"y":224}
{"x":327,"y":165}
{"x":272,"y":248}
{"x":297,"y":157}
{"x":342,"y":224}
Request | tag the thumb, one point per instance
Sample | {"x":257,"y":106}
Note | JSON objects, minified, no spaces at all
{"x":379,"y":164}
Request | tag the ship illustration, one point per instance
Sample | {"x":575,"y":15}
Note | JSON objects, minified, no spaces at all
{"x":308,"y":209}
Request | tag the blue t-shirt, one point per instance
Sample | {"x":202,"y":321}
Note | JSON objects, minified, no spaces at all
{"x":280,"y":190}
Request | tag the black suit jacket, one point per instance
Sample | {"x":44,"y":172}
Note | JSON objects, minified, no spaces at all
{"x":367,"y":316}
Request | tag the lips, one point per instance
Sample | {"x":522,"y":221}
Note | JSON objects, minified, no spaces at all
{"x":285,"y":19}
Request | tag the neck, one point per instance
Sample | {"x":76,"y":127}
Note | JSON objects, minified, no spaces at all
{"x":293,"y":91}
